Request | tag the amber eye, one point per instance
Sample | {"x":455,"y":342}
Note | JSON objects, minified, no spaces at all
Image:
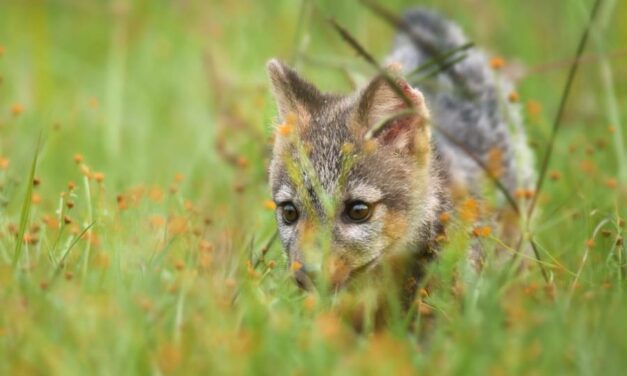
{"x":358,"y":211}
{"x":289,"y":213}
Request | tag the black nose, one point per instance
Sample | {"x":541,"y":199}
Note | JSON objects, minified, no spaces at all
{"x":303,"y":280}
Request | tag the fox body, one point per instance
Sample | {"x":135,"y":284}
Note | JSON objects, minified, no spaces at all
{"x":364,"y":169}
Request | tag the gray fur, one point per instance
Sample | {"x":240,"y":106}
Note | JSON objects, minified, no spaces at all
{"x":482,"y":120}
{"x":407,"y":196}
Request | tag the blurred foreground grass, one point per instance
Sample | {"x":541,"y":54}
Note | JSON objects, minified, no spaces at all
{"x":155,"y":121}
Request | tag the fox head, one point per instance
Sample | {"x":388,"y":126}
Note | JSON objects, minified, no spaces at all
{"x":351,"y":175}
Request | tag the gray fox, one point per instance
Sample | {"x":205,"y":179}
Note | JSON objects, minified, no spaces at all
{"x":361,"y":176}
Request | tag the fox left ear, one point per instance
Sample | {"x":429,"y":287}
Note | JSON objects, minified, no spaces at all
{"x":399,"y":121}
{"x":294,"y":95}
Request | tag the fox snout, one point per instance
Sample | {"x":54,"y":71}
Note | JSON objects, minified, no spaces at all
{"x":310,"y":278}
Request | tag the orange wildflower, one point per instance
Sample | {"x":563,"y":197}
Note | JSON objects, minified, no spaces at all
{"x":99,"y":177}
{"x":469,"y":210}
{"x":242,"y":161}
{"x":121,"y":202}
{"x":495,"y":162}
{"x":310,"y":302}
{"x":534,"y":108}
{"x":555,"y":175}
{"x":51,"y":222}
{"x":155,"y":194}
{"x":4,"y":163}
{"x":17,"y":109}
{"x":285,"y":129}
{"x":269,"y":204}
{"x":156,"y":221}
{"x":36,"y":199}
{"x":611,"y":183}
{"x":482,"y":232}
{"x":296,"y":266}
{"x":524,"y":193}
{"x":177,"y":225}
{"x":513,"y":97}
{"x":497,"y":63}
{"x":179,"y":265}
{"x":30,"y":239}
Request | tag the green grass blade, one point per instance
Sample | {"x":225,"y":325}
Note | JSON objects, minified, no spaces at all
{"x":26,"y":205}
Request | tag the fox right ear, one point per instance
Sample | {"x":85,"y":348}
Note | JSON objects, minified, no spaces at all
{"x":294,"y":95}
{"x":401,"y":114}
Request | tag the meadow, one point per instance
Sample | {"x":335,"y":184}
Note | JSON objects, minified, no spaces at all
{"x":137,"y":230}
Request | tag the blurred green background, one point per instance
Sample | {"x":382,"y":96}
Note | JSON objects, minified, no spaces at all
{"x":166,"y":104}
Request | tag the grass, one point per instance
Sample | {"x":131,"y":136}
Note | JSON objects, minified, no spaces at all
{"x":145,"y":246}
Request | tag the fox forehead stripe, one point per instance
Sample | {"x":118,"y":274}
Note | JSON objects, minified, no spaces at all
{"x":366,"y":193}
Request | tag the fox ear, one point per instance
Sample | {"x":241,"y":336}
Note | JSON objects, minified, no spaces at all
{"x":401,"y":121}
{"x":294,"y":95}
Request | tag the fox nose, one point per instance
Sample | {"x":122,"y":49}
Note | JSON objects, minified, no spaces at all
{"x":305,"y":278}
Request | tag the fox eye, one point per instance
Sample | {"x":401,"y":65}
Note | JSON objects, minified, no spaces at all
{"x":358,"y":211}
{"x":289,"y":213}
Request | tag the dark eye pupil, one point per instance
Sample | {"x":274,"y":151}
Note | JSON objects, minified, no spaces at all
{"x":290,"y":214}
{"x":358,"y":211}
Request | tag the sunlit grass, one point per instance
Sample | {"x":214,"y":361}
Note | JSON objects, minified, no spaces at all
{"x":142,"y":239}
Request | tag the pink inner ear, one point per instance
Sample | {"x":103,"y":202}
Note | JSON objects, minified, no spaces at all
{"x":398,"y":132}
